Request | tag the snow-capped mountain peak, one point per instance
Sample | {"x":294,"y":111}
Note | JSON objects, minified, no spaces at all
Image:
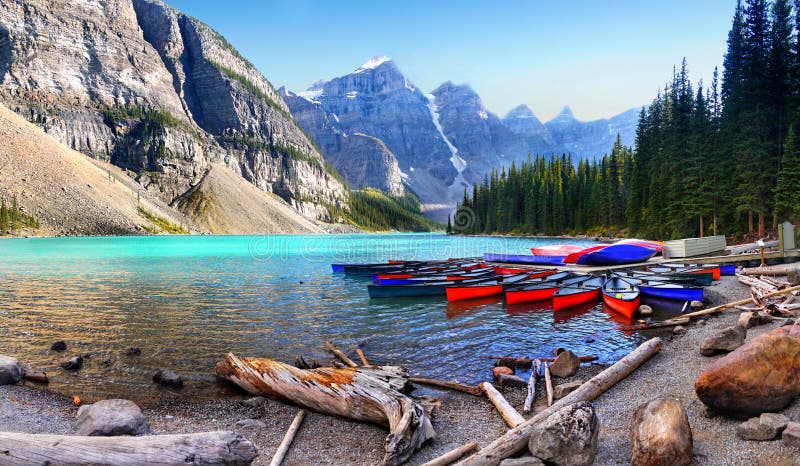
{"x":373,"y":63}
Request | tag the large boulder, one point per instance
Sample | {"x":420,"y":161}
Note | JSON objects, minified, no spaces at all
{"x":10,"y":370}
{"x":111,"y":417}
{"x":761,"y":376}
{"x":565,"y":365}
{"x":661,"y":435}
{"x":727,"y":339}
{"x":568,"y":437}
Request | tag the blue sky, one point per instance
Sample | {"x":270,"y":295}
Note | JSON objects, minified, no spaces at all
{"x":600,"y":58}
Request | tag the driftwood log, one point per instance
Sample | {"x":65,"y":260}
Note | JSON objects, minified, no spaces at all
{"x":288,"y":438}
{"x":340,"y":355}
{"x":371,"y":394}
{"x":507,"y":412}
{"x":774,"y":271}
{"x":204,"y":448}
{"x":548,"y":384}
{"x":517,"y":438}
{"x":724,"y":307}
{"x":452,"y":455}
{"x":535,"y":367}
{"x":460,"y":387}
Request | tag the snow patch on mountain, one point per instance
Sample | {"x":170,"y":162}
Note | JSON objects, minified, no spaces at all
{"x":458,"y":163}
{"x":372,"y":63}
{"x":483,"y":114}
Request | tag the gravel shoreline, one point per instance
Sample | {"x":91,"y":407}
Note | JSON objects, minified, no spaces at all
{"x":463,"y":418}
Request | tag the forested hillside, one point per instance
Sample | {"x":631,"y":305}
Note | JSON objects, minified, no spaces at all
{"x":721,"y":159}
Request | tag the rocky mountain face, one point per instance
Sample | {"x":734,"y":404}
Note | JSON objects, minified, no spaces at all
{"x":442,"y":142}
{"x":158,"y":93}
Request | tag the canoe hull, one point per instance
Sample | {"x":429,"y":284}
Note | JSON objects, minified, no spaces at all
{"x":526,"y":296}
{"x":455,"y":293}
{"x":676,"y":294}
{"x":524,"y":259}
{"x":617,"y":254}
{"x":625,"y":307}
{"x":566,"y":301}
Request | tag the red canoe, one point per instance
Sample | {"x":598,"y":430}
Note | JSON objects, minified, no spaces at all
{"x":539,"y":291}
{"x":569,"y":296}
{"x":483,"y":290}
{"x":621,"y":295}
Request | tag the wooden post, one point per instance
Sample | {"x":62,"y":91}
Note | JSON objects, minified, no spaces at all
{"x":509,"y":414}
{"x":517,"y":438}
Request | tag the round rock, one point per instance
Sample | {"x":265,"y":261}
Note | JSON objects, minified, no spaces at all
{"x":167,"y":377}
{"x":111,"y":417}
{"x":565,"y":365}
{"x":568,"y":437}
{"x":72,"y":364}
{"x":58,"y":346}
{"x":645,"y":310}
{"x":10,"y":370}
{"x":660,"y":434}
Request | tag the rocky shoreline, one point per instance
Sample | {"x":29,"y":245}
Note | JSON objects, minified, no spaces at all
{"x":670,"y":374}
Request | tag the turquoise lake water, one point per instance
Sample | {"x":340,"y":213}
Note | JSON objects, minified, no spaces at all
{"x":188,"y":300}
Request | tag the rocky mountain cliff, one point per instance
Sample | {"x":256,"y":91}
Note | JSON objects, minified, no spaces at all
{"x":158,"y":93}
{"x":441,"y":142}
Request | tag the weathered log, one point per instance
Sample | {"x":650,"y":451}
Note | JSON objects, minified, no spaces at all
{"x":756,"y":283}
{"x":548,"y":384}
{"x":665,"y":324}
{"x":283,"y":448}
{"x":35,"y":376}
{"x":506,"y":380}
{"x":724,"y":307}
{"x":507,"y":412}
{"x":451,"y":385}
{"x":535,"y":367}
{"x":517,"y":438}
{"x":182,"y":449}
{"x":370,"y":394}
{"x":340,"y":355}
{"x":452,"y":455}
{"x":780,"y":284}
{"x":772,"y":271}
{"x":363,"y":358}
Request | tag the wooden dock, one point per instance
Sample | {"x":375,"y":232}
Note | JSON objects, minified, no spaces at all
{"x":744,"y":260}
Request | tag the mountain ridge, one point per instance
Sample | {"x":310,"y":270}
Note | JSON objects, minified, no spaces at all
{"x":461,"y":139}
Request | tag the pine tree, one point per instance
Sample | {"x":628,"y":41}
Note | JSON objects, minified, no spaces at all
{"x":787,"y":192}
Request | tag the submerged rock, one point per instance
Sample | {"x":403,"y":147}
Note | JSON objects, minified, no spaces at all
{"x":565,"y":365}
{"x":727,"y":339}
{"x":10,"y":370}
{"x":645,"y":310}
{"x":111,"y":417}
{"x":169,"y":378}
{"x":58,"y":346}
{"x":568,"y":437}
{"x":761,"y":376}
{"x":73,"y":364}
{"x":661,"y":435}
{"x":133,"y":351}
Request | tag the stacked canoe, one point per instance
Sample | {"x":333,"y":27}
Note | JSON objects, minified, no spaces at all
{"x":465,"y":279}
{"x":621,"y":252}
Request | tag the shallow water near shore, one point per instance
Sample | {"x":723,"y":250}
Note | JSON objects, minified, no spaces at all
{"x":186,"y":301}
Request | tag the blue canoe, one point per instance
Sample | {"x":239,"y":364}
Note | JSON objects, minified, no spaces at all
{"x":672,"y":291}
{"x":523,"y":259}
{"x":617,"y":254}
{"x":727,"y":270}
